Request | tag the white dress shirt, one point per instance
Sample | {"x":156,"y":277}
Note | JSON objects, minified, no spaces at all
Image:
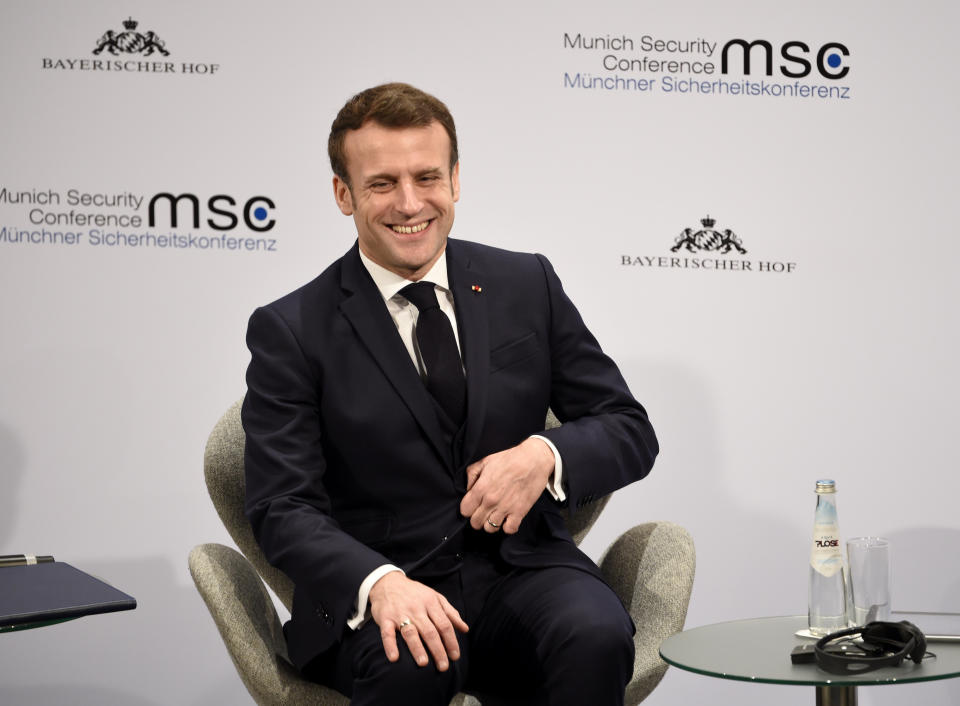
{"x":404,"y":315}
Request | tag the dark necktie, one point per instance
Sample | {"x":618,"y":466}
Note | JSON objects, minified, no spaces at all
{"x":438,"y":348}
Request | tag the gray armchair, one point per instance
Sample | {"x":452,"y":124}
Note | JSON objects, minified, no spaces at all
{"x":650,"y":567}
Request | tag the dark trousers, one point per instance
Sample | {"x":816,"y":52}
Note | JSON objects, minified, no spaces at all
{"x":556,"y":636}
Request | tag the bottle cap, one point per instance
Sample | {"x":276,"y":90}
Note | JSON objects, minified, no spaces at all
{"x":826,"y":486}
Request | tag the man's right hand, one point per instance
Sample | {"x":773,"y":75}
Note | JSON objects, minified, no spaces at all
{"x":421,"y":615}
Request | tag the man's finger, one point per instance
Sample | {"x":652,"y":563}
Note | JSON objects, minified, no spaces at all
{"x":491,"y":525}
{"x":469,"y":505}
{"x":474,"y":495}
{"x":478,"y":519}
{"x":473,"y":472}
{"x":454,"y":615}
{"x":448,"y":635}
{"x":411,"y":636}
{"x":435,"y":645}
{"x":388,"y":635}
{"x":511,"y":524}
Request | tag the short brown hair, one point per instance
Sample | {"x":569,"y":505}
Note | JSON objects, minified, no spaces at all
{"x":395,"y":105}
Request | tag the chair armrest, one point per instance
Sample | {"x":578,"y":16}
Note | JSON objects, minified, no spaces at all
{"x":250,"y":628}
{"x":651,"y":568}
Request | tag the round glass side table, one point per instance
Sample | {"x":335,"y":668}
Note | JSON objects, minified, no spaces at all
{"x":758,"y":650}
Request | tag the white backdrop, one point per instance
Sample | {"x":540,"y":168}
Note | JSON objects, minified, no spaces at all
{"x":118,"y":359}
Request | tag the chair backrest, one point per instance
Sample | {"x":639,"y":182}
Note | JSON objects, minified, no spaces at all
{"x":223,"y":471}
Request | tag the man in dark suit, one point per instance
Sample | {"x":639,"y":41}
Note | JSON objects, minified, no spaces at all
{"x":397,"y":467}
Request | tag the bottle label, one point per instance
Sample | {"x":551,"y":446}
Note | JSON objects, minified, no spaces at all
{"x":825,"y":555}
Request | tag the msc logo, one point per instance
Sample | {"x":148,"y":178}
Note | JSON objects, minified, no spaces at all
{"x":255,"y":212}
{"x":130,"y":41}
{"x":829,"y":59}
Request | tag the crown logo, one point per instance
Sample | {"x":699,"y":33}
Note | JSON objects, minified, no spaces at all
{"x":130,"y":41}
{"x":708,"y":239}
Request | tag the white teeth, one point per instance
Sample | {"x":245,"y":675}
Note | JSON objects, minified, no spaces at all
{"x":410,"y":229}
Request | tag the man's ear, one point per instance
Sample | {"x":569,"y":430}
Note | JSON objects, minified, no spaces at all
{"x":455,"y":181}
{"x":341,"y":192}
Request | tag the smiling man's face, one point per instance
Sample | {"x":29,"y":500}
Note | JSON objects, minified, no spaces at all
{"x":401,"y":194}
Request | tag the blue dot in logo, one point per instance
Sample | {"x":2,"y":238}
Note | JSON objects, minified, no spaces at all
{"x":260,"y":213}
{"x":834,"y":60}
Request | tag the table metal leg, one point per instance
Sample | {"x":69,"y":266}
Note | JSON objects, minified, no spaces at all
{"x":836,"y":696}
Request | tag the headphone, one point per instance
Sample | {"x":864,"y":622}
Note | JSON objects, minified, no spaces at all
{"x":882,"y":645}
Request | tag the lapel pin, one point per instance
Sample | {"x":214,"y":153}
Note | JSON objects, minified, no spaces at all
{"x":476,"y":288}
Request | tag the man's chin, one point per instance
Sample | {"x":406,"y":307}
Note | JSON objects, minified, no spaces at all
{"x":419,"y":263}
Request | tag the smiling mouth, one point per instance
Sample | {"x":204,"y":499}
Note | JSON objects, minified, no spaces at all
{"x":408,"y":230}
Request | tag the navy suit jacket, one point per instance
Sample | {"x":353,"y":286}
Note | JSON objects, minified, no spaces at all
{"x":347,"y":465}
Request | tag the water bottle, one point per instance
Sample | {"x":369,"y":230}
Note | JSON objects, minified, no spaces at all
{"x":828,"y":595}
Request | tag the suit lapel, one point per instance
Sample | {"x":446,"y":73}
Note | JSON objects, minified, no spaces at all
{"x":470,"y":301}
{"x":364,"y":308}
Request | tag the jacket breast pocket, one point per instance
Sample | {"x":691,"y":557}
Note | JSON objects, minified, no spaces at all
{"x":514,"y":352}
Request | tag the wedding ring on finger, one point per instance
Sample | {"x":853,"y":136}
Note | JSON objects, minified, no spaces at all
{"x":492,"y":523}
{"x":404,"y":623}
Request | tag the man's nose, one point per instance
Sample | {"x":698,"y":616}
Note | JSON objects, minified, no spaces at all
{"x":409,"y":202}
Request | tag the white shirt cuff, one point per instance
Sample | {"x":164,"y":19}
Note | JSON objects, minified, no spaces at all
{"x":363,"y":595}
{"x":555,"y":482}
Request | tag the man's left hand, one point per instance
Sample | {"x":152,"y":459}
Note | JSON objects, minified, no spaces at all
{"x":502,"y":487}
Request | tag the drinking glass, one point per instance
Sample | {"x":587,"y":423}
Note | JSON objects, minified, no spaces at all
{"x":868,"y":559}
